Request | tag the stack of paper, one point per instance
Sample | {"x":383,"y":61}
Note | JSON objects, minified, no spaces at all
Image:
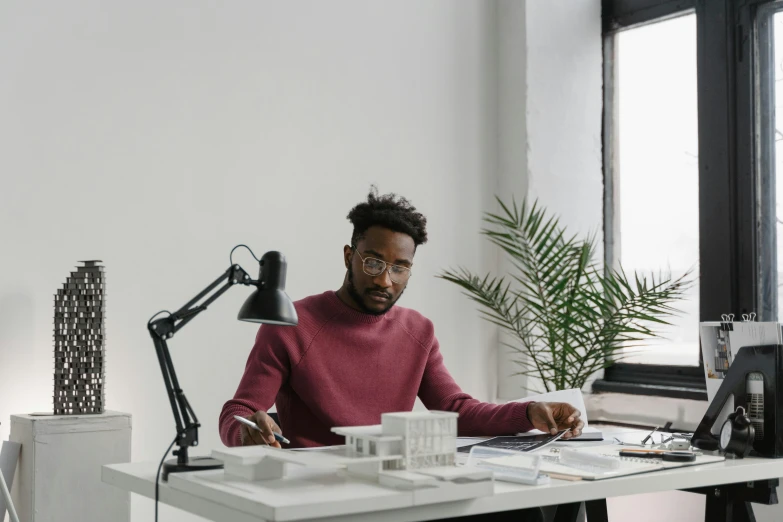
{"x":552,"y":465}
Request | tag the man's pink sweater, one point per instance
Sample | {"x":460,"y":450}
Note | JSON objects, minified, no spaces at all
{"x":341,"y":367}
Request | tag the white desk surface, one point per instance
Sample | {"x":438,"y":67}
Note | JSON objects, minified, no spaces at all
{"x":333,"y":498}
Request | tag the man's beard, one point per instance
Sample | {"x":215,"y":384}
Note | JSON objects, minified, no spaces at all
{"x":360,"y":302}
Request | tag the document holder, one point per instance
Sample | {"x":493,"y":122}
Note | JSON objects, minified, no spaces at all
{"x":755,"y":381}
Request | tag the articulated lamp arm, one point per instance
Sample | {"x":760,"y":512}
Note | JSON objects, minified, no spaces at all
{"x":164,"y":328}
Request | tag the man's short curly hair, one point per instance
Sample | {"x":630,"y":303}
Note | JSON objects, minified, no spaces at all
{"x":388,"y":211}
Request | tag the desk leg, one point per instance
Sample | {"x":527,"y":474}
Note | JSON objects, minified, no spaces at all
{"x":732,"y":502}
{"x":595,"y":510}
{"x":567,"y":512}
{"x":722,"y":508}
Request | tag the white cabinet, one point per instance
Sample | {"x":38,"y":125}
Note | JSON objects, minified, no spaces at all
{"x":59,"y":472}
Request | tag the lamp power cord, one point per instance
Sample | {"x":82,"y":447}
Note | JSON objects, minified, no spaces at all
{"x":157,"y":476}
{"x":231,"y":255}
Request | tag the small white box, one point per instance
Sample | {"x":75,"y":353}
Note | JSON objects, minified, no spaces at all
{"x":59,"y":472}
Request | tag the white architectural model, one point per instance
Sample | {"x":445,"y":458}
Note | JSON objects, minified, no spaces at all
{"x":413,"y":451}
{"x":407,"y":440}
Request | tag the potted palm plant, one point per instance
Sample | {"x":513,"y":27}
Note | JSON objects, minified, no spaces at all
{"x":564,"y":315}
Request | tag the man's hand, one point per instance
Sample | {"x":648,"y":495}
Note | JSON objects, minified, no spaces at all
{"x":555,"y":416}
{"x":252,"y":437}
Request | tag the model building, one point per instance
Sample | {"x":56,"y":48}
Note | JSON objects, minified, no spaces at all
{"x":79,"y":341}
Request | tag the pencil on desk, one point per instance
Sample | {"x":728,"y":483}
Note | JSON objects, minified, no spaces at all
{"x":563,"y":477}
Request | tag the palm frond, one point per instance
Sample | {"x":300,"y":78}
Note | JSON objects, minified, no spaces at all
{"x":565,"y":316}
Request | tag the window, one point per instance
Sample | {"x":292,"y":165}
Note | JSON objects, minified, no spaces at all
{"x":773,"y":68}
{"x":731,"y":213}
{"x":656,"y":173}
{"x":770,"y":130}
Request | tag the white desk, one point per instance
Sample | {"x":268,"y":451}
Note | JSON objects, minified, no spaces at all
{"x":326,"y":495}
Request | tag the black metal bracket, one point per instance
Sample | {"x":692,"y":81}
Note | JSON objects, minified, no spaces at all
{"x":595,"y":511}
{"x":732,"y":502}
{"x":725,"y":503}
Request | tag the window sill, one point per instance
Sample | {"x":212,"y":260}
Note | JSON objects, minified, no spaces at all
{"x":658,"y":390}
{"x":644,"y":410}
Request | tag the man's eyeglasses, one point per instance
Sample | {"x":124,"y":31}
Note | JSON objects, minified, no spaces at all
{"x":375,"y":267}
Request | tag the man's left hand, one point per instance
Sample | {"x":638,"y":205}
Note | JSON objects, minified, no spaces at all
{"x":552,"y":417}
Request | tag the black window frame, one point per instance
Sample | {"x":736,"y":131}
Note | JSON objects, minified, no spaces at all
{"x":731,"y":263}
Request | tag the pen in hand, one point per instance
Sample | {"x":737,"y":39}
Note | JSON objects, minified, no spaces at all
{"x":254,"y":426}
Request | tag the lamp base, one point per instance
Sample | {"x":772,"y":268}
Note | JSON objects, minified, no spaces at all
{"x":193,"y":464}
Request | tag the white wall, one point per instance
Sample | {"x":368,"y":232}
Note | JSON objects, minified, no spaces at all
{"x":564,"y":112}
{"x":550,"y":109}
{"x":157,"y":135}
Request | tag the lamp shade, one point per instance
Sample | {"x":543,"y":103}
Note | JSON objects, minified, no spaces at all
{"x":269,"y":303}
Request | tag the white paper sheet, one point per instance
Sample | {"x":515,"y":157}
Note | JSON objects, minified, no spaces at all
{"x":572,"y":397}
{"x":469,"y":441}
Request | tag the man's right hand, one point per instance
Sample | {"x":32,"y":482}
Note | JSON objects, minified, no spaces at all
{"x":555,"y":416}
{"x":252,"y":437}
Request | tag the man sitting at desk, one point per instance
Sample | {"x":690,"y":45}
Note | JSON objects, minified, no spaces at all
{"x":354,"y":355}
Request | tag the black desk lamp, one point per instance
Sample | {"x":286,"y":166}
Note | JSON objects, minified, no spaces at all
{"x":267,"y":304}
